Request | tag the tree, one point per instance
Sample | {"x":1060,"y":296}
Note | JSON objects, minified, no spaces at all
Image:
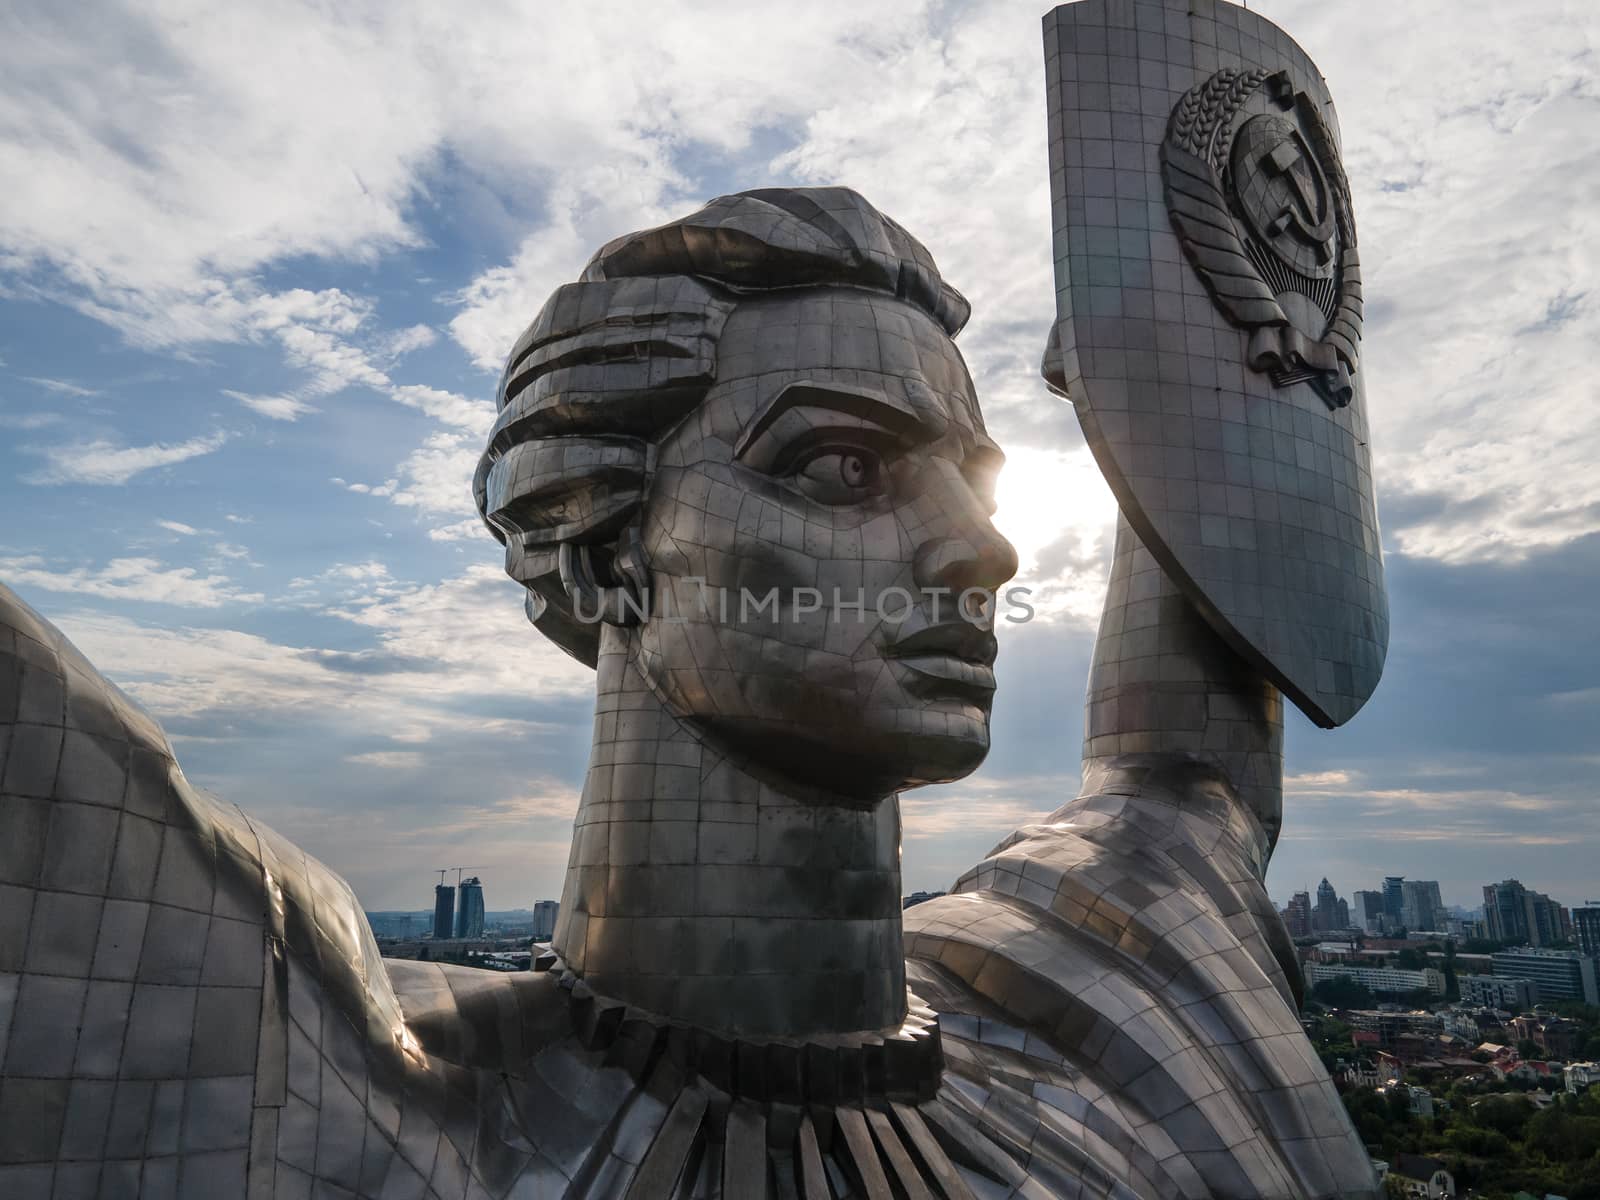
{"x":1410,"y":960}
{"x":1576,"y":1010}
{"x":1506,"y":1115}
{"x":1562,"y":1136}
{"x":1399,"y":1105}
{"x":1485,"y":1143}
{"x":1343,"y":992}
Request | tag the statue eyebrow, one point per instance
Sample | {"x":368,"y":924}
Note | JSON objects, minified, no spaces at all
{"x":895,"y":415}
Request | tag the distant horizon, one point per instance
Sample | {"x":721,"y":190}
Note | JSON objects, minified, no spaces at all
{"x":1343,"y":894}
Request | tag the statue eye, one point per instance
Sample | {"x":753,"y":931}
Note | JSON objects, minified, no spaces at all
{"x":840,"y":474}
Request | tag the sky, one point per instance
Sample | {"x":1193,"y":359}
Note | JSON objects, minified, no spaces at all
{"x":259,"y":264}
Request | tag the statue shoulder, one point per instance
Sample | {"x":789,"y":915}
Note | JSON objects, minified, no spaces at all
{"x":1123,"y":954}
{"x":116,"y":867}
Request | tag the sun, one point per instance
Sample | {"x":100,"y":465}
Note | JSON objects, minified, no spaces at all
{"x":1056,"y":509}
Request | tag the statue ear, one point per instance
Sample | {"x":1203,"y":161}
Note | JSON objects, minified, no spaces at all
{"x":607,"y":583}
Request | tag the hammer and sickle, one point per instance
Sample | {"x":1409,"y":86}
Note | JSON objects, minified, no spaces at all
{"x":1307,"y":216}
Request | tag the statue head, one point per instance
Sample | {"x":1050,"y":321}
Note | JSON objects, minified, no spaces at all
{"x":741,"y":463}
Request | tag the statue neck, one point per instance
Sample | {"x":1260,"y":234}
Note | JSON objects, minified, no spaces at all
{"x":702,"y":893}
{"x":1164,"y":682}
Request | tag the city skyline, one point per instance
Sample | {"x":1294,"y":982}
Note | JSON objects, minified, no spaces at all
{"x":1437,"y":904}
{"x":256,"y":362}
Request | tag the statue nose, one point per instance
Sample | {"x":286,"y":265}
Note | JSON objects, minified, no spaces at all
{"x":969,"y":552}
{"x":957,"y":563}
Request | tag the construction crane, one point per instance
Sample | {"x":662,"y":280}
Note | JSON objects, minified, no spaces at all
{"x":457,"y":870}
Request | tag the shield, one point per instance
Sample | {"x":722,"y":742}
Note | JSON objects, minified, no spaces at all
{"x":1208,"y":327}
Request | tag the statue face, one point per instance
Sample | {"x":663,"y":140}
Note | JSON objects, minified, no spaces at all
{"x":810,"y":529}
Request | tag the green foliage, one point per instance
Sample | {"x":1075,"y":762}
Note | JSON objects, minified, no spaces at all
{"x":1494,"y":1141}
{"x":1342,"y":992}
{"x":1452,"y":985}
{"x":1331,"y":1039}
{"x":1562,"y":1136}
{"x":1508,"y":1115}
{"x":1410,"y":960}
{"x":1485,"y":1143}
{"x":1576,"y":1010}
{"x":1481,"y":946}
{"x":1421,"y":998}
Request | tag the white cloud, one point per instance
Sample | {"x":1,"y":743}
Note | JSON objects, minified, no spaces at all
{"x":460,"y":412}
{"x":459,"y":531}
{"x":463,"y":638}
{"x":436,"y":477}
{"x":277,"y":408}
{"x":1312,"y":783}
{"x":37,"y":420}
{"x":387,"y":488}
{"x":1480,"y":267}
{"x":388,"y":760}
{"x":1057,"y":511}
{"x":62,"y":387}
{"x":1000,"y":805}
{"x":553,"y":799}
{"x":1478,"y":201}
{"x":335,"y":364}
{"x":472,"y":630}
{"x":178,"y":527}
{"x":363,"y":572}
{"x":233,"y":551}
{"x":141,"y":579}
{"x":403,"y":341}
{"x":103,"y":462}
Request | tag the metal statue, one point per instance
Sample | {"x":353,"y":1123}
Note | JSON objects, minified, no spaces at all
{"x":740,"y":468}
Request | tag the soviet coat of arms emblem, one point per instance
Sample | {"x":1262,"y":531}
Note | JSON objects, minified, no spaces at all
{"x":1208,"y":329}
{"x":1262,"y":208}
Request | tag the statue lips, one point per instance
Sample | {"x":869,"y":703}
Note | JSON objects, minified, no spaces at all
{"x":955,"y":656}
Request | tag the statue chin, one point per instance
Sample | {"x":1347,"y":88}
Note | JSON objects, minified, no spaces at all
{"x":857,"y":772}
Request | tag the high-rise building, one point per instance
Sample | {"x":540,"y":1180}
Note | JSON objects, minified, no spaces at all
{"x":1297,"y":917}
{"x":1505,"y":911}
{"x":469,"y":914}
{"x":544,"y":919}
{"x":1515,"y":914}
{"x":1493,"y":991}
{"x":1549,"y":920}
{"x":444,"y":911}
{"x":1421,"y":906}
{"x":1586,"y":927}
{"x":1343,"y":919}
{"x":1560,"y":974}
{"x":1325,"y":916}
{"x":1393,"y":901}
{"x":1369,"y":911}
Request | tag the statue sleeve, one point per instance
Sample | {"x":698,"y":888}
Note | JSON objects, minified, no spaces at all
{"x":1117,"y":998}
